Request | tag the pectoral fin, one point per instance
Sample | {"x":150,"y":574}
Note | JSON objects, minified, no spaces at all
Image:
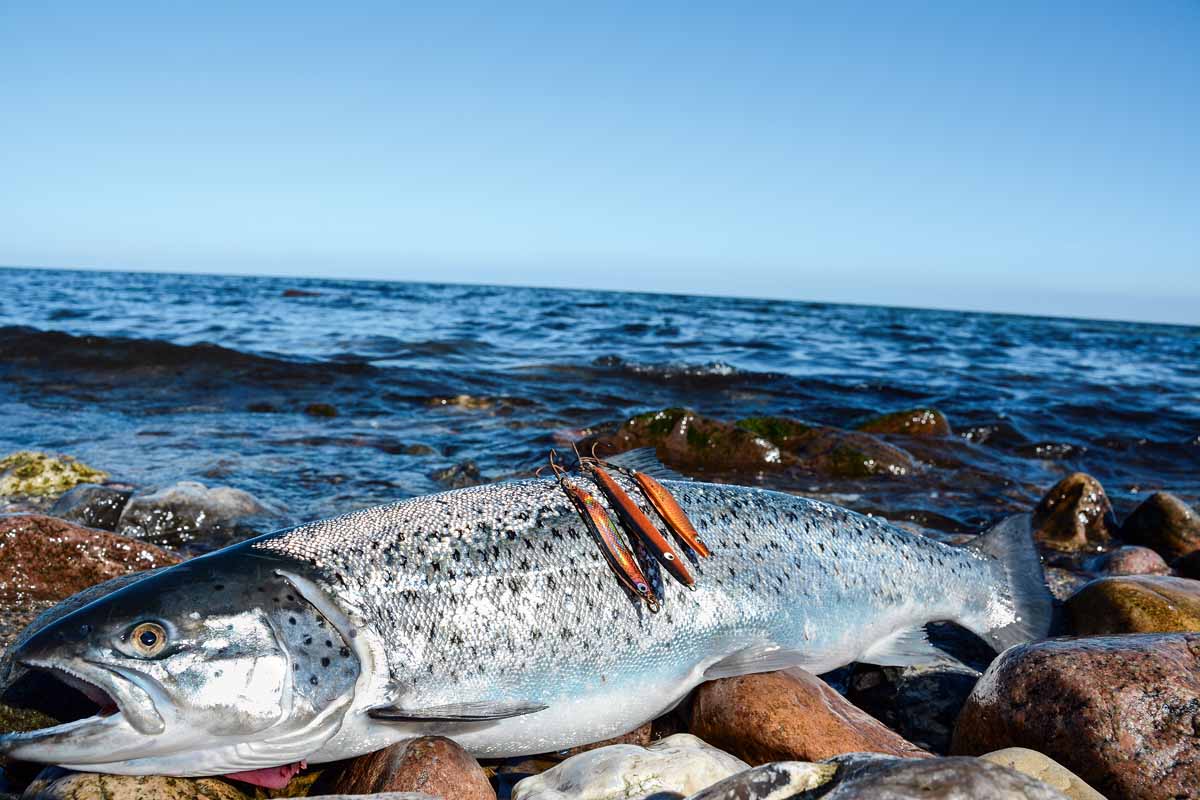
{"x":481,"y":711}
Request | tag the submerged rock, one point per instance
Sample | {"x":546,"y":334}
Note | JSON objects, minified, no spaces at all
{"x":1130,"y":560}
{"x":1046,"y":770}
{"x":863,"y":775}
{"x":1118,"y":711}
{"x":1074,"y":515}
{"x":681,"y":764}
{"x":913,"y":422}
{"x":1165,"y":524}
{"x":187,"y":511}
{"x":320,"y":410}
{"x":32,"y":474}
{"x":1136,"y":604}
{"x":690,"y":442}
{"x":832,"y":451}
{"x":430,"y":764}
{"x":782,"y":780}
{"x":92,"y":505}
{"x":459,"y":476}
{"x":787,"y":716}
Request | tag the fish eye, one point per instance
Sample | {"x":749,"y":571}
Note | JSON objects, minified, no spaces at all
{"x":148,"y":639}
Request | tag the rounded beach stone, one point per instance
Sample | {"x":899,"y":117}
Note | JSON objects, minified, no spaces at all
{"x":912,"y":422}
{"x":1074,"y":515}
{"x":186,"y":511}
{"x":59,"y":784}
{"x":679,"y":764}
{"x":1166,"y":524}
{"x":865,"y":775}
{"x":1130,"y":560}
{"x":787,"y":716}
{"x":92,"y":505}
{"x":1118,"y":711}
{"x":782,"y":780}
{"x":431,"y":764}
{"x":1136,"y":604}
{"x":1046,"y":770}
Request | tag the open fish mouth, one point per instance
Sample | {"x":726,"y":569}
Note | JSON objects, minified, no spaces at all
{"x":119,"y":707}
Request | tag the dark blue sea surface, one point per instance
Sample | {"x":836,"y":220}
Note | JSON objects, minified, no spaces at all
{"x":157,"y":378}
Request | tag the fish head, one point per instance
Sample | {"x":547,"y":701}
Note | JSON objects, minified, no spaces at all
{"x":204,"y":668}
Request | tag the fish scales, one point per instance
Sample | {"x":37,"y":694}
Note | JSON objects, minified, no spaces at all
{"x":489,"y":615}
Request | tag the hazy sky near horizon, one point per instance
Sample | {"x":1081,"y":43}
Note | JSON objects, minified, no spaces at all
{"x":1033,"y":157}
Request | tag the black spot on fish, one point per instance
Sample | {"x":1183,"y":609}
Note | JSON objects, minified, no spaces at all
{"x":344,"y":652}
{"x":325,"y":662}
{"x":291,"y":620}
{"x":219,"y":587}
{"x":313,"y":680}
{"x":308,"y":640}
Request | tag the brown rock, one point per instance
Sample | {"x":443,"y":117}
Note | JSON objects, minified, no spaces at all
{"x":831,"y":451}
{"x":690,"y":442}
{"x":1136,"y":604}
{"x":642,"y":736}
{"x":430,"y":764}
{"x":1166,"y":524}
{"x":1131,"y":560}
{"x":787,"y":716}
{"x":913,"y":422}
{"x":43,"y":558}
{"x":1074,"y":515}
{"x":1118,"y":711}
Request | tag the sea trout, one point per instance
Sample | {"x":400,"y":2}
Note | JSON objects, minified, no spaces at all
{"x":488,"y":615}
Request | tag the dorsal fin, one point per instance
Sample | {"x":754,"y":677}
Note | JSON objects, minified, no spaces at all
{"x":644,"y":459}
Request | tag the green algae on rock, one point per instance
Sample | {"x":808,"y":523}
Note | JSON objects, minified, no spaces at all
{"x":832,"y":451}
{"x":911,"y":422}
{"x":34,"y":474}
{"x":691,"y":442}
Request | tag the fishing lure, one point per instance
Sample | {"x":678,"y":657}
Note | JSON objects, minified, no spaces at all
{"x":636,"y":523}
{"x":618,"y":556}
{"x":663,"y":502}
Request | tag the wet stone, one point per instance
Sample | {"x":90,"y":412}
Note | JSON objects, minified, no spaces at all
{"x":189,"y":511}
{"x":1165,"y":524}
{"x":1118,"y":711}
{"x":59,"y":784}
{"x":93,"y":505}
{"x":690,"y":442}
{"x":920,"y":703}
{"x":431,"y":764}
{"x":1046,"y":770}
{"x":778,"y":781}
{"x":865,"y":775}
{"x":832,"y":451}
{"x":912,"y":422}
{"x":1075,"y":515}
{"x":1130,"y":560}
{"x":1136,"y":604}
{"x":789,"y":715}
{"x":459,"y":476}
{"x":320,"y":410}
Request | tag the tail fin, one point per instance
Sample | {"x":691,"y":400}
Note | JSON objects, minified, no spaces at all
{"x":1011,"y":544}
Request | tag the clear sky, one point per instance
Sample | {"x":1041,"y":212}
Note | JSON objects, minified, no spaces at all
{"x":1040,"y":157}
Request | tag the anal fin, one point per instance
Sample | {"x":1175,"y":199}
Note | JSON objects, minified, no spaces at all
{"x":906,"y":648}
{"x":480,"y":711}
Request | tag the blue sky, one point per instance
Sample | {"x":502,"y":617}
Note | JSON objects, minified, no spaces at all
{"x":1040,"y":157}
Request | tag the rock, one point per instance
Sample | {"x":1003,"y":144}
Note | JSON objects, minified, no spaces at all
{"x":681,"y":763}
{"x":298,"y":293}
{"x":1074,"y":515}
{"x":380,"y":796}
{"x":55,"y":783}
{"x":1046,"y":770}
{"x":43,"y":560}
{"x":1189,"y":566}
{"x":865,"y":775}
{"x":787,"y":716}
{"x":32,"y":474}
{"x":690,"y":442}
{"x":1136,"y":604}
{"x":919,"y":703}
{"x":431,"y":764}
{"x":832,"y":451}
{"x":1165,"y":524}
{"x":320,"y":410}
{"x":913,"y":422}
{"x":779,"y":781}
{"x":459,"y":476}
{"x":92,"y":505}
{"x":641,"y":736}
{"x":187,"y":511}
{"x":1130,"y":560}
{"x":1062,"y":582}
{"x":1118,"y":711}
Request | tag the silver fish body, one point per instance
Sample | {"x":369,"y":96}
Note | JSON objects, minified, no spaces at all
{"x":494,"y":598}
